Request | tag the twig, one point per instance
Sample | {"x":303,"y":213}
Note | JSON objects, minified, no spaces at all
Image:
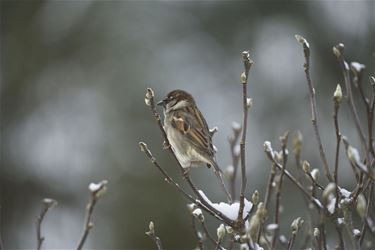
{"x":169,"y":180}
{"x":149,"y":100}
{"x":364,"y":226}
{"x":314,"y":181}
{"x":46,"y":205}
{"x":235,"y":157}
{"x":337,"y":97}
{"x":314,"y":118}
{"x":284,"y":140}
{"x":197,"y":234}
{"x":152,"y":235}
{"x":96,"y":191}
{"x":338,"y":50}
{"x":270,"y":154}
{"x":217,"y":244}
{"x":246,"y":105}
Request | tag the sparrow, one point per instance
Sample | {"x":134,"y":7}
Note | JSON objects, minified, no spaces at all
{"x":188,"y":133}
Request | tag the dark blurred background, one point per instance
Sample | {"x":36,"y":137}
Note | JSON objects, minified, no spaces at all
{"x":73,"y":79}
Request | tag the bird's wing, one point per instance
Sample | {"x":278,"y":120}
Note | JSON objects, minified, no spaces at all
{"x":194,"y":127}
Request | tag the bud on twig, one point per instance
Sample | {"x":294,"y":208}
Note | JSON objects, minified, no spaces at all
{"x":302,"y":41}
{"x":220,"y":232}
{"x":337,"y":96}
{"x":297,"y":142}
{"x":315,"y":173}
{"x":361,"y":205}
{"x":98,"y":189}
{"x":198,"y":214}
{"x":316,"y":232}
{"x":255,"y":197}
{"x":249,"y":103}
{"x":243,"y":78}
{"x":306,"y":166}
{"x":149,"y":96}
{"x":296,"y":224}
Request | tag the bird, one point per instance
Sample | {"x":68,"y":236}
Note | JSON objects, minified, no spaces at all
{"x":188,"y":133}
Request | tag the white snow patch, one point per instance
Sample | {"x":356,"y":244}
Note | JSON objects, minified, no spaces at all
{"x":331,"y":205}
{"x":345,"y":192}
{"x":229,"y":210}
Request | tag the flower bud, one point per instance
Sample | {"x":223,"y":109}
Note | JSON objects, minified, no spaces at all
{"x":297,"y":142}
{"x":316,"y":232}
{"x":328,"y":192}
{"x":198,"y":214}
{"x":296,"y":224}
{"x":220,"y":232}
{"x":315,"y":173}
{"x":151,"y":227}
{"x":306,"y":166}
{"x":249,"y":103}
{"x":255,"y":197}
{"x":243,"y":78}
{"x":361,"y":205}
{"x":337,"y":96}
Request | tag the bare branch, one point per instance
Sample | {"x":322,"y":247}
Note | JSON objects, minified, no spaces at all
{"x":152,"y":235}
{"x":314,"y":115}
{"x":46,"y":205}
{"x":96,"y":191}
{"x":246,"y":102}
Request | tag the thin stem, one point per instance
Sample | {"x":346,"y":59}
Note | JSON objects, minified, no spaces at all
{"x":197,"y":233}
{"x":345,"y":70}
{"x":235,"y":159}
{"x":338,"y":142}
{"x":47,"y":204}
{"x":154,"y":237}
{"x":95,"y":194}
{"x":247,"y":64}
{"x":270,"y":155}
{"x":284,"y":140}
{"x":170,"y":181}
{"x":209,"y":236}
{"x":291,"y":241}
{"x":314,"y":115}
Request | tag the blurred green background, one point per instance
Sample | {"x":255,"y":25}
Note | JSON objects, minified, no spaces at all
{"x":73,"y":79}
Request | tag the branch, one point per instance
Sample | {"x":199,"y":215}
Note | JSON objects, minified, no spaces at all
{"x":338,"y":50}
{"x":47,"y":204}
{"x":236,"y":127}
{"x":153,"y":236}
{"x":284,"y":140}
{"x":271,"y":156}
{"x":246,"y":105}
{"x":314,"y":118}
{"x":96,"y":191}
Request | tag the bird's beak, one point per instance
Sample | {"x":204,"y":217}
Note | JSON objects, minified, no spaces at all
{"x":161,"y":103}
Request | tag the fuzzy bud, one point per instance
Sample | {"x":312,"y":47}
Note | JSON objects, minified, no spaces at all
{"x":296,"y":224}
{"x":361,"y":205}
{"x":338,"y":50}
{"x":372,"y":80}
{"x":357,"y":68}
{"x":49,"y":203}
{"x":297,"y":142}
{"x":220,"y":232}
{"x":249,"y":102}
{"x":329,"y":192}
{"x":306,"y":166}
{"x":243,"y":78}
{"x":315,"y":173}
{"x":353,"y":155}
{"x":316,"y":232}
{"x":198,"y":214}
{"x":302,"y":40}
{"x":337,"y":96}
{"x":191,"y":207}
{"x":151,"y":227}
{"x":255,"y":197}
{"x":236,"y":127}
{"x":229,"y":171}
{"x":149,"y":95}
{"x":98,"y":189}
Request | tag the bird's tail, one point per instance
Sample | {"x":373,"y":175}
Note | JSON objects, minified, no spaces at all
{"x":219,"y":175}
